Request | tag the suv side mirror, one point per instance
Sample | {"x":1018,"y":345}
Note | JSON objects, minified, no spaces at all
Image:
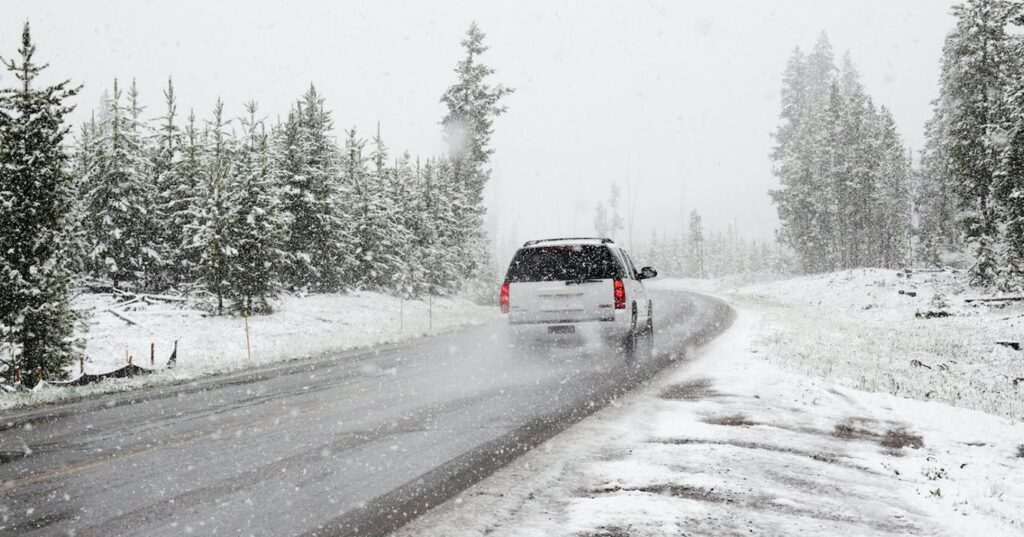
{"x":647,"y":273}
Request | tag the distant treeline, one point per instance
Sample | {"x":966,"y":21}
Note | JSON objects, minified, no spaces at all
{"x":699,"y":253}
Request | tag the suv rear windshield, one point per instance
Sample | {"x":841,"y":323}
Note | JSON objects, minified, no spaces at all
{"x":558,"y":263}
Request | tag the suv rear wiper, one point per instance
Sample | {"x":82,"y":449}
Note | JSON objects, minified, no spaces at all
{"x":577,"y":282}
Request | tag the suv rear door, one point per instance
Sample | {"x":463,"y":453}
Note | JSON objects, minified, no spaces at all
{"x":562,"y":284}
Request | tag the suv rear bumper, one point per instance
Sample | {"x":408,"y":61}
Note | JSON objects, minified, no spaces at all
{"x":525,"y":322}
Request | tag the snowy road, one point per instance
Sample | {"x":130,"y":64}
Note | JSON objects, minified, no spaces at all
{"x":331,"y":447}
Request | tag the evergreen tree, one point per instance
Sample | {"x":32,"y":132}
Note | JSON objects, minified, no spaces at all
{"x":119,"y":200}
{"x":973,"y":82}
{"x":368,"y":232}
{"x":696,"y":266}
{"x":37,"y":195}
{"x":174,"y":206}
{"x":211,"y":236}
{"x":1009,"y":182}
{"x":405,"y":263}
{"x":601,"y":221}
{"x":85,"y":168}
{"x":306,"y":161}
{"x":615,"y":222}
{"x":187,"y":209}
{"x":256,"y":229}
{"x":472,"y":104}
{"x":937,"y":230}
{"x":889,"y":226}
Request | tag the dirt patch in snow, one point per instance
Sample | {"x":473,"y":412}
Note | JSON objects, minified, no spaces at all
{"x":694,"y":390}
{"x":605,"y":532}
{"x":901,"y":439}
{"x":731,"y":420}
{"x":893,"y":438}
{"x":676,"y":490}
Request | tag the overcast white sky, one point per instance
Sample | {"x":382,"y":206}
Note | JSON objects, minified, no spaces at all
{"x":676,"y":98}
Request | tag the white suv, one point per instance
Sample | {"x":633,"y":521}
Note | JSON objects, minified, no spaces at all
{"x":562,"y":283}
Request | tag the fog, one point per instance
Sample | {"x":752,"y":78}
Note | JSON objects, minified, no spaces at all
{"x":675,"y":101}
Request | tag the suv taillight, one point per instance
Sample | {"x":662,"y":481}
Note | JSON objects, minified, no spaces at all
{"x":504,"y":297}
{"x":620,"y":294}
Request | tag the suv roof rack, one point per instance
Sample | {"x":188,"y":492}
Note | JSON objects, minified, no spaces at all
{"x":604,"y":240}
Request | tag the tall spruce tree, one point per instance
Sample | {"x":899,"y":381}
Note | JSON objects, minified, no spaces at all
{"x":188,"y":205}
{"x":175,"y":196}
{"x":937,"y":230}
{"x":365,"y":205}
{"x":472,"y":105}
{"x":401,"y":201}
{"x":256,"y":227}
{"x":1009,"y":182}
{"x":211,"y":236}
{"x":37,"y":323}
{"x":119,"y":200}
{"x":889,"y":228}
{"x":306,"y":161}
{"x":973,"y":82}
{"x":696,"y":261}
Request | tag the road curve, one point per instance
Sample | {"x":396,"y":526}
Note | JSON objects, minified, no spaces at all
{"x":356,"y":445}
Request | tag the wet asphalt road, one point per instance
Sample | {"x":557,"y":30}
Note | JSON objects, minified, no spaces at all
{"x":350,"y":445}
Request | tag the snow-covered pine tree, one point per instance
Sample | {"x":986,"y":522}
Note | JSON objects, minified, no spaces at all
{"x":151,"y":260}
{"x":696,"y":260}
{"x":935,"y":203}
{"x":85,"y":167}
{"x":257,"y":224}
{"x":37,"y":323}
{"x":390,"y":197}
{"x":615,"y":222}
{"x":890,"y":201}
{"x":799,"y":159}
{"x":368,"y":228}
{"x":854,"y":183}
{"x":445,"y":246}
{"x":174,"y":206}
{"x":211,"y":232}
{"x":973,"y":83}
{"x":831,"y":184}
{"x":306,"y":162}
{"x":192,"y":173}
{"x":472,"y":104}
{"x":601,"y":223}
{"x":1009,"y":183}
{"x":401,"y":201}
{"x":421,"y":231}
{"x":118,"y":202}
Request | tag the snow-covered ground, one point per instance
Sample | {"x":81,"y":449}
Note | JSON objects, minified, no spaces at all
{"x":300,"y":327}
{"x":877,"y":330}
{"x":731,"y":443}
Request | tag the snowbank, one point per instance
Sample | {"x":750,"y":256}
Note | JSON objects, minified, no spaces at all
{"x":910,"y":335}
{"x":299,"y":327}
